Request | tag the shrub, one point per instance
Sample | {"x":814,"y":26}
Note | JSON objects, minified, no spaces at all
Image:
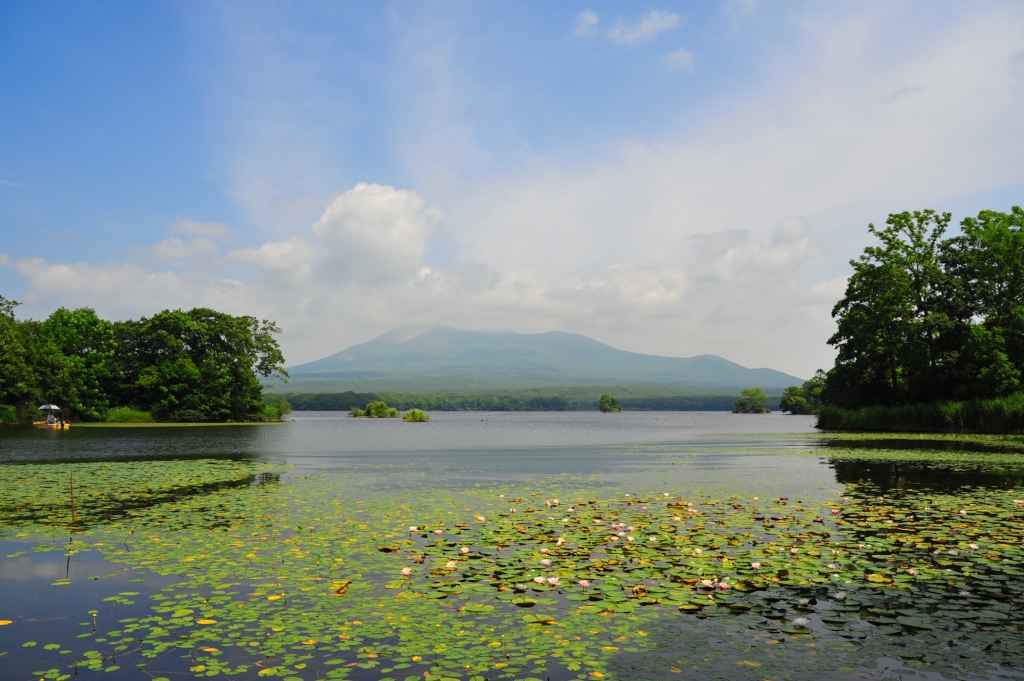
{"x":752,"y":401}
{"x":415,"y":415}
{"x":380,"y":410}
{"x":275,"y":409}
{"x":127,"y":415}
{"x":607,"y":403}
{"x":996,"y":415}
{"x":8,"y":414}
{"x":356,"y":411}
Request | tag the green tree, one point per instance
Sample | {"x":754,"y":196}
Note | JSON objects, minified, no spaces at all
{"x":195,"y":365}
{"x":607,"y":403}
{"x":899,"y":328}
{"x":805,"y":399}
{"x":380,"y":410}
{"x":86,"y":343}
{"x":16,"y":376}
{"x":752,"y":401}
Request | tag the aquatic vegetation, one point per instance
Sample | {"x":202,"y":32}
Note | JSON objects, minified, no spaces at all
{"x":325,"y":576}
{"x":415,"y":415}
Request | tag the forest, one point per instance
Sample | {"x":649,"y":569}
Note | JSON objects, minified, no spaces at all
{"x":195,"y":365}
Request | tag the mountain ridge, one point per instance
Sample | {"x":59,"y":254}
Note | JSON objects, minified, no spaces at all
{"x":452,"y":357}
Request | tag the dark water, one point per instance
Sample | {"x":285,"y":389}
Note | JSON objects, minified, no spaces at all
{"x":767,"y":454}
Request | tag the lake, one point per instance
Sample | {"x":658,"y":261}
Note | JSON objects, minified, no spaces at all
{"x":546,"y":545}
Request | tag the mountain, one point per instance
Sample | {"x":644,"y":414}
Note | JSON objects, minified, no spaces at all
{"x":440,"y":357}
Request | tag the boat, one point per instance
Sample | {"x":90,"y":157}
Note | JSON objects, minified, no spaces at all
{"x":51,"y":422}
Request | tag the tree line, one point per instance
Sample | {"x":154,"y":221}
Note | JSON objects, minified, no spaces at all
{"x":195,"y":365}
{"x":928,"y":318}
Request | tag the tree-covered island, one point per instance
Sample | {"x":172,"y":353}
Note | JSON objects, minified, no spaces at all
{"x":195,"y":365}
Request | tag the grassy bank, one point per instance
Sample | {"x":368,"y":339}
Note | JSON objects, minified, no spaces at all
{"x":998,"y":415}
{"x":571,"y":398}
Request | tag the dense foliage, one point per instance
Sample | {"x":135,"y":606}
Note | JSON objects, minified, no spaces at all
{"x":995,"y":415}
{"x":378,"y":409}
{"x":607,"y":404}
{"x":752,"y":401}
{"x":199,"y":365}
{"x":416,"y":416}
{"x":805,"y":399}
{"x":927,"y":318}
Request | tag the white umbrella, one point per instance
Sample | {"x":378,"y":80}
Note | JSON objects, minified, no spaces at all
{"x":51,"y":407}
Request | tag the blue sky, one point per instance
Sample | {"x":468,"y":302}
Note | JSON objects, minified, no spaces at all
{"x":677,"y":178}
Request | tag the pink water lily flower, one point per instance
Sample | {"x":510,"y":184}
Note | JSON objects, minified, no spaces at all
{"x":464,"y":550}
{"x":501,"y":496}
{"x":697,"y":552}
{"x":794,"y":551}
{"x":438,"y":532}
{"x":539,"y":580}
{"x":546,"y":562}
{"x":584,"y":583}
{"x":963,"y":512}
{"x":723,"y":586}
{"x":835,"y":511}
{"x":707,"y":583}
{"x":804,"y":602}
{"x":654,"y":540}
{"x":451,"y":565}
{"x":553,"y":581}
{"x":629,"y":539}
{"x":543,"y":550}
{"x":406,"y":571}
{"x":801,"y":623}
{"x":561,"y":540}
{"x":644,"y":509}
{"x":974,"y":547}
{"x":413,"y":528}
{"x":912,"y":572}
{"x":755,"y":565}
{"x":555,"y":502}
{"x":756,"y":499}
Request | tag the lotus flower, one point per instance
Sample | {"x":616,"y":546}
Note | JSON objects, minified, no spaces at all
{"x":464,"y":550}
{"x":676,"y":518}
{"x":912,"y":572}
{"x":501,"y":496}
{"x":953,"y":552}
{"x":965,"y":594}
{"x":839,"y":596}
{"x":631,"y":528}
{"x":862,"y":546}
{"x":413,"y":528}
{"x":804,"y":602}
{"x":546,"y":563}
{"x":802,"y":623}
{"x":561,"y":540}
{"x":629,"y":539}
{"x":963,"y":512}
{"x":451,"y":565}
{"x":835,"y":511}
{"x":584,"y":583}
{"x":834,"y":552}
{"x":570,"y":510}
{"x":644,"y":509}
{"x":543,"y":550}
{"x":613,"y":538}
{"x":665,"y":493}
{"x":756,"y":499}
{"x":1018,"y":501}
{"x":555,"y":502}
{"x":553,"y":581}
{"x":707,"y":583}
{"x":723,"y":586}
{"x":756,"y":565}
{"x":697,"y":552}
{"x":833,"y":566}
{"x":481,"y":518}
{"x":406,"y":571}
{"x":539,"y":580}
{"x":794,"y":551}
{"x":974,"y":547}
{"x":653,"y":540}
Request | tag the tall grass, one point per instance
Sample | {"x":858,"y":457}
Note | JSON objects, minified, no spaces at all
{"x":127,"y":415}
{"x":997,"y":415}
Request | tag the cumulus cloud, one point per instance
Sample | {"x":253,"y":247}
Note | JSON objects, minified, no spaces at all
{"x":681,"y":59}
{"x":643,"y":29}
{"x":217,"y":230}
{"x":377,"y":232}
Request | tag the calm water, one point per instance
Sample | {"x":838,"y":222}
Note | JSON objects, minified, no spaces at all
{"x":769,"y":454}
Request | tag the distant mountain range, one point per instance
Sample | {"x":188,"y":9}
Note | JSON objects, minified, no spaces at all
{"x":440,"y":357}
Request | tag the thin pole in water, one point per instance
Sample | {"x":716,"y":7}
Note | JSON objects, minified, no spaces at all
{"x":72,"y":496}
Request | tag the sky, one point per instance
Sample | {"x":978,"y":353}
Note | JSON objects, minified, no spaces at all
{"x":676,"y":178}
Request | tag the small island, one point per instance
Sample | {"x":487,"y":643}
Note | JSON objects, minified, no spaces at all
{"x":379,"y":409}
{"x":752,"y":401}
{"x":608,"y":404}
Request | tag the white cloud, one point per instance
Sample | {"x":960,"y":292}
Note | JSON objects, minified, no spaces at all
{"x":681,"y":59}
{"x":176,"y":249}
{"x":217,"y":230}
{"x":377,"y":232}
{"x":8,"y":183}
{"x":643,"y":29}
{"x":586,"y":23}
